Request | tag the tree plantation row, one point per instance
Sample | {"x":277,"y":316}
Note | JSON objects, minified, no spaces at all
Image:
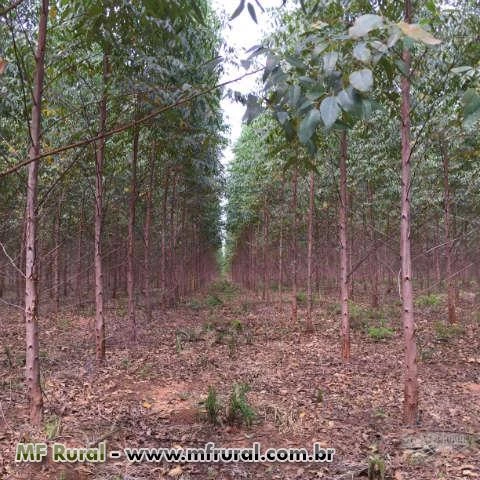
{"x":355,"y":176}
{"x":365,"y":120}
{"x":137,"y":213}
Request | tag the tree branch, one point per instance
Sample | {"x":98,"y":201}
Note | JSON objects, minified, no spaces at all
{"x":122,"y":128}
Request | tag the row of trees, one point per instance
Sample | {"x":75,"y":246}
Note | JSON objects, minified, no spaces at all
{"x":349,"y":89}
{"x":114,"y":106}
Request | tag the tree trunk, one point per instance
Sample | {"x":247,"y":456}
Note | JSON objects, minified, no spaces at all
{"x":411,"y":380}
{"x":78,"y":281}
{"x":56,"y":258}
{"x":264,"y":250}
{"x":294,"y":245}
{"x":280,"y":257}
{"x":164,"y":239}
{"x":344,"y":249}
{"x":32,"y":361}
{"x":99,"y":161}
{"x":147,"y":234}
{"x":131,"y":241}
{"x":452,"y":314}
{"x":374,"y":262}
{"x":309,"y":252}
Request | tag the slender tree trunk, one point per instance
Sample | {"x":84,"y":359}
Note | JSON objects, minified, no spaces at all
{"x":374,"y":261}
{"x":280,"y":259}
{"x":147,"y":235}
{"x":131,"y":241}
{"x":164,"y":239}
{"x":32,"y":361}
{"x":310,"y":252}
{"x":56,"y":258}
{"x":411,"y":380}
{"x":99,"y":161}
{"x":78,"y":282}
{"x":264,"y":250}
{"x":294,"y":245}
{"x":452,"y":314}
{"x":344,"y":249}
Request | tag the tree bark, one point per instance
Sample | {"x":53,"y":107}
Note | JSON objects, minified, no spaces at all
{"x":56,"y":258}
{"x":164,"y":239}
{"x":131,"y":241}
{"x":264,"y":250}
{"x":280,"y":256}
{"x":294,"y":246}
{"x":32,"y":361}
{"x":147,"y":235}
{"x":78,"y":280}
{"x":99,"y":161}
{"x":411,"y":380}
{"x":452,"y":314}
{"x":344,"y":284}
{"x":374,"y":262}
{"x":311,"y":207}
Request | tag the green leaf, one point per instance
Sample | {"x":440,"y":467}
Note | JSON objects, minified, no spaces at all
{"x":402,"y":67}
{"x":238,"y":10}
{"x":345,"y":100}
{"x":329,"y":111}
{"x":462,"y":69}
{"x":362,"y":53}
{"x":308,"y":125}
{"x":254,"y":109}
{"x":393,"y":38}
{"x":282,"y":117}
{"x":416,"y":32}
{"x":295,"y":62}
{"x":294,"y":95}
{"x":319,"y":49}
{"x":251,"y":11}
{"x":365,"y":24}
{"x":362,"y":80}
{"x":471,"y":102}
{"x":329,"y":61}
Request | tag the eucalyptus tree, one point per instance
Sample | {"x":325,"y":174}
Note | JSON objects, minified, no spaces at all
{"x":306,"y":88}
{"x":32,"y":363}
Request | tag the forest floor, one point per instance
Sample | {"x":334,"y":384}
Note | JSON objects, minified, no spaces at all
{"x":153,"y":394}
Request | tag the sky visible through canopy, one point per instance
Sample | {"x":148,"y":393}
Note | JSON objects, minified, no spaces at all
{"x":240,"y":34}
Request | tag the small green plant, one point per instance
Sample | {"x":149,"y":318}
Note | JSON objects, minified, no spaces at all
{"x":376,"y":468}
{"x":239,"y":410}
{"x":431,"y":300}
{"x":125,"y":363}
{"x":236,"y":325}
{"x":359,"y":316}
{"x":380,"y":333}
{"x":212,"y":406}
{"x":301,"y":297}
{"x":52,"y":427}
{"x":379,"y":413}
{"x":444,"y":332}
{"x":194,"y":304}
{"x":319,"y":395}
{"x":213,"y":301}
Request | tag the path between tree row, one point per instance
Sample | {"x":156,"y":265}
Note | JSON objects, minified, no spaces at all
{"x":152,"y":394}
